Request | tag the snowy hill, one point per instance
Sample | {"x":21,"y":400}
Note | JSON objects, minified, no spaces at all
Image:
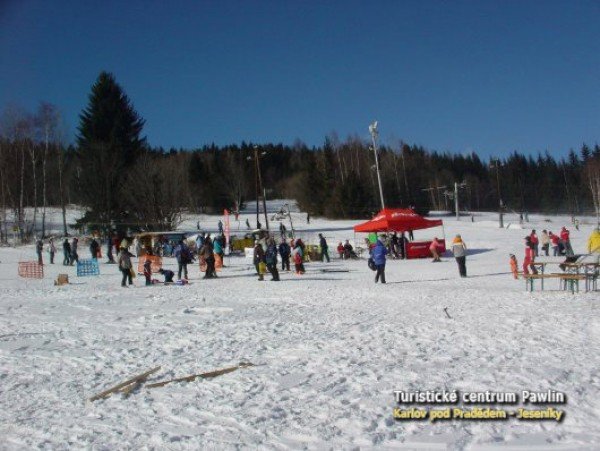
{"x":330,"y":348}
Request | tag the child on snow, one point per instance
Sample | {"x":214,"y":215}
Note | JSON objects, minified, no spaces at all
{"x":514,"y":266}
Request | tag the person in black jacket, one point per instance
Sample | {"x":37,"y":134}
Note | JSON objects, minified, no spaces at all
{"x":285,"y":252}
{"x":271,"y":259}
{"x":94,"y":246}
{"x":66,"y":252}
{"x":324,"y":248}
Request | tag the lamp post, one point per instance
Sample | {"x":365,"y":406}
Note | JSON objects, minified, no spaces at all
{"x":259,"y":188}
{"x":496,"y":163}
{"x":374,"y":134}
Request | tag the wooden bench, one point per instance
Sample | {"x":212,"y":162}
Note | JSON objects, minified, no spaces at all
{"x":567,"y":281}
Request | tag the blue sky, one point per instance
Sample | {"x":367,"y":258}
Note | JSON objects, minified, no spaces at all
{"x":458,"y":76}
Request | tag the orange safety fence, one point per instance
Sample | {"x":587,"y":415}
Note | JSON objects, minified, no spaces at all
{"x":31,"y":270}
{"x":154,"y":266}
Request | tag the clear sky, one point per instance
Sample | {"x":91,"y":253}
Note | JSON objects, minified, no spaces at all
{"x":459,"y":76}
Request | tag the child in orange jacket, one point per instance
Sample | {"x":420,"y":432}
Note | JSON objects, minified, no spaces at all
{"x":514,"y":266}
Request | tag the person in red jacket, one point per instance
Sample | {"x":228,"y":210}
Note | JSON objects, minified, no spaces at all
{"x":534,"y":242}
{"x":565,"y":237}
{"x":529,"y":257}
{"x":555,"y":240}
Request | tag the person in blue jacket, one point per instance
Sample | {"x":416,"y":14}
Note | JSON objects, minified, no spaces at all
{"x":378,"y":253}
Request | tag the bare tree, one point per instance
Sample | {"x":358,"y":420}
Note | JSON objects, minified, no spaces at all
{"x":592,"y":176}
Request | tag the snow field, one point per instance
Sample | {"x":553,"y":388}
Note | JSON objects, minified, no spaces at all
{"x":330,"y":349}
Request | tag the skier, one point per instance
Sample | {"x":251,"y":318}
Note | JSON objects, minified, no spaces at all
{"x":125,"y":266}
{"x":378,"y":253}
{"x":66,"y":252}
{"x":39,"y":247}
{"x":324,"y":248}
{"x":459,"y":249}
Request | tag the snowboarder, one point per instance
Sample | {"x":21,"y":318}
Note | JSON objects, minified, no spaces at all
{"x":459,"y":249}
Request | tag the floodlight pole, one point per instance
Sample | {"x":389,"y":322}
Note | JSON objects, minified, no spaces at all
{"x":456,"y":200}
{"x":500,"y":206}
{"x":260,"y":189}
{"x":374,"y":133}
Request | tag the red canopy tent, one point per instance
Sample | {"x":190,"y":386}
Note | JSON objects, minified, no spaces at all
{"x":403,"y":220}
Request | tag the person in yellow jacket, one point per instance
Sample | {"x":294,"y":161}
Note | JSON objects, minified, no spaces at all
{"x":594,"y":242}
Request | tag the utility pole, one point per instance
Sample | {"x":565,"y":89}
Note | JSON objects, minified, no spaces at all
{"x":259,"y":188}
{"x":374,"y":133}
{"x":456,"y":186}
{"x":496,"y":163}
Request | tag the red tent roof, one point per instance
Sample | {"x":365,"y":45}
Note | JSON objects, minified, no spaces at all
{"x":396,"y":220}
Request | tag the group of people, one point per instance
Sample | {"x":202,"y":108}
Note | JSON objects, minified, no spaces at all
{"x":378,"y":252}
{"x":265,"y":258}
{"x":69,"y":251}
{"x":561,"y":246}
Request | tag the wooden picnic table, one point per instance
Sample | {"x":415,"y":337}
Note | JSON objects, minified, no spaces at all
{"x":572,"y":273}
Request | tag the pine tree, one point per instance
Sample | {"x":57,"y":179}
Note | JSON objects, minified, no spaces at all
{"x":109,"y":144}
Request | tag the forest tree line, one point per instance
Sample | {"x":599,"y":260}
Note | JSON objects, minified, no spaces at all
{"x":125,"y":183}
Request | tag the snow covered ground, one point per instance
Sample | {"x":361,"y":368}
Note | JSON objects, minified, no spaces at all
{"x":330,"y":348}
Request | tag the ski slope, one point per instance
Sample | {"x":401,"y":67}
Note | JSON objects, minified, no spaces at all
{"x":330,"y":349}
